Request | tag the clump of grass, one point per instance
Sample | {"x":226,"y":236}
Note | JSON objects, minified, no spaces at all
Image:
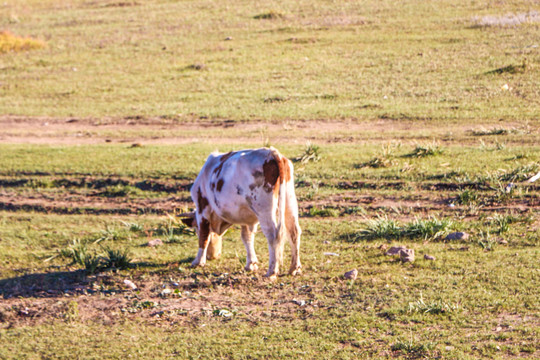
{"x":71,"y":312}
{"x":132,"y":226}
{"x":494,"y":131}
{"x":412,"y":349}
{"x":485,"y":241}
{"x":311,"y":154}
{"x":520,"y":173}
{"x":510,"y":69}
{"x":324,"y":212}
{"x":381,"y":161}
{"x":108,"y":234}
{"x":502,"y":222}
{"x":196,"y":66}
{"x":119,"y":191}
{"x":382,"y":227}
{"x":431,"y":228}
{"x":426,"y":150}
{"x":172,"y":228}
{"x":275,"y":99}
{"x":10,"y":42}
{"x":269,"y":15}
{"x":377,"y":162}
{"x":117,"y":259}
{"x":92,"y":264}
{"x":467,"y":197}
{"x":385,"y":228}
{"x":503,"y":192}
{"x":77,"y":252}
{"x":434,"y":307}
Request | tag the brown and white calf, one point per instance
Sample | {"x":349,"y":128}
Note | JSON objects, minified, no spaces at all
{"x":248,"y":188}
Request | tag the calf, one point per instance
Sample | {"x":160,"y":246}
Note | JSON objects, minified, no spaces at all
{"x":248,"y":188}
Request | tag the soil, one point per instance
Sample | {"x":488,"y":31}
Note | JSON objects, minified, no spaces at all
{"x":42,"y":298}
{"x":158,"y":130}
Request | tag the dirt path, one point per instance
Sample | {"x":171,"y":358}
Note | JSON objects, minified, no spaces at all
{"x":151,"y":130}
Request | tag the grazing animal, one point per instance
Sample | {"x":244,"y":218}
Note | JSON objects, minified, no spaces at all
{"x":248,"y":188}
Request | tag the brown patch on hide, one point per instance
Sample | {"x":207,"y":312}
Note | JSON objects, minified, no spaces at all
{"x":284,"y":170}
{"x":201,"y":201}
{"x":219,"y":185}
{"x":217,"y":170}
{"x":271,"y":172}
{"x":224,"y":157}
{"x":204,"y":233}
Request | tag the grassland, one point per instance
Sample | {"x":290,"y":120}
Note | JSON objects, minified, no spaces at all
{"x":272,"y":61}
{"x":425,"y":120}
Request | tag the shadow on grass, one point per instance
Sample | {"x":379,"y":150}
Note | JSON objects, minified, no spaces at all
{"x":54,"y":284}
{"x":42,"y":284}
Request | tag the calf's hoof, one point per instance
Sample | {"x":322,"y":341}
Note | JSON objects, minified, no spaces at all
{"x":271,"y":276}
{"x":196,"y":263}
{"x":295,"y":271}
{"x":252,"y":267}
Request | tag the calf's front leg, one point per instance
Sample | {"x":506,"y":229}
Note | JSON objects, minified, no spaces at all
{"x":203,"y":231}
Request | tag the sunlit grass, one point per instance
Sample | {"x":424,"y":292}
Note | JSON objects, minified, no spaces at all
{"x":10,"y":42}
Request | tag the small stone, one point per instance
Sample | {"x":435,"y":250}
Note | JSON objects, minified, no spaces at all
{"x":155,"y":242}
{"x":351,"y":275}
{"x":383,"y":247}
{"x":166,"y":291}
{"x":394,"y":250}
{"x":299,"y":302}
{"x":429,"y":257}
{"x":330,"y":254}
{"x":503,"y":242}
{"x":407,"y":255}
{"x":457,"y":236}
{"x":130,"y":284}
{"x":228,"y":38}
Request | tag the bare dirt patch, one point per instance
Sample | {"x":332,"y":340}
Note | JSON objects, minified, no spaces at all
{"x":72,"y":296}
{"x":159,"y":130}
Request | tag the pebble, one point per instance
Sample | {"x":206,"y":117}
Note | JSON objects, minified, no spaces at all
{"x":457,"y":236}
{"x":155,"y":242}
{"x":429,"y":257}
{"x":395,"y":250}
{"x":130,"y":284}
{"x":351,"y":275}
{"x":407,"y":255}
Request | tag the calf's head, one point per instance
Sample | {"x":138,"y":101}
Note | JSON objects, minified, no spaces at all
{"x":214,"y":240}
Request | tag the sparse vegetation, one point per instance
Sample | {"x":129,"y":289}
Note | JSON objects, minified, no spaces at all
{"x":323,"y":212}
{"x":432,"y":307}
{"x":104,"y":130}
{"x":421,"y":151}
{"x":311,"y":154}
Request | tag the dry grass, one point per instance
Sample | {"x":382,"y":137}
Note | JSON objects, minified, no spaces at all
{"x":10,"y":42}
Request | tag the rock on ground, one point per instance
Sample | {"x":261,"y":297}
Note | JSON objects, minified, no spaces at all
{"x":351,"y":275}
{"x":457,"y":236}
